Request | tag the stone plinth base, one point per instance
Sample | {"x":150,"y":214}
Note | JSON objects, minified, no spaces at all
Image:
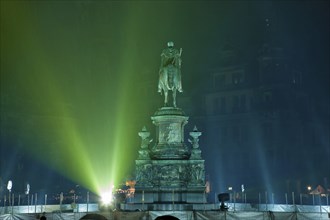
{"x":157,"y":196}
{"x":165,"y":207}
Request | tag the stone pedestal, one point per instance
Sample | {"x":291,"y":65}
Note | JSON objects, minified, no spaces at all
{"x":169,"y":171}
{"x":170,"y":144}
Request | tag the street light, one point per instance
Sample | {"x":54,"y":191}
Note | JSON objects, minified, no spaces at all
{"x":309,"y":188}
{"x":9,"y":187}
{"x":27,"y":192}
{"x":230,"y":189}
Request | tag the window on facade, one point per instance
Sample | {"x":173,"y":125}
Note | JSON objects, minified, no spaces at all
{"x":223,"y":105}
{"x":237,"y":78}
{"x":239,"y":103}
{"x":244,"y":133}
{"x":251,"y":103}
{"x":216,"y":105}
{"x":236,"y":134}
{"x":235,"y":107}
{"x":267,"y":72}
{"x":219,"y":81}
{"x":267,"y":131}
{"x":243,"y":103}
{"x":223,"y":135}
{"x":220,"y":105}
{"x":296,"y":77}
{"x":267,"y":98}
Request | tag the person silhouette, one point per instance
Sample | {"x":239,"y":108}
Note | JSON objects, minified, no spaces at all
{"x":43,"y":217}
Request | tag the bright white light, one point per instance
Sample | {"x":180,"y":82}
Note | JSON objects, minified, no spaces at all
{"x":27,"y":191}
{"x":9,"y":185}
{"x":106,"y":198}
{"x":106,"y":195}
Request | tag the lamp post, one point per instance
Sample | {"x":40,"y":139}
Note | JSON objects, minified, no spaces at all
{"x":35,"y":202}
{"x":87,"y":201}
{"x":230,"y":189}
{"x":61,"y":200}
{"x":45,"y":202}
{"x":12,"y":203}
{"x":309,"y":188}
{"x":27,"y":192}
{"x":243,"y":193}
{"x":9,"y":187}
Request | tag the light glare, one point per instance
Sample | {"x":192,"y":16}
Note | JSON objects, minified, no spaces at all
{"x":9,"y":185}
{"x":106,"y":198}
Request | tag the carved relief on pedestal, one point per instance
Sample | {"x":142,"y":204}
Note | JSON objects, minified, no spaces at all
{"x":143,"y":173}
{"x":184,"y":173}
{"x":197,"y":173}
{"x":171,"y":174}
{"x":170,"y":133}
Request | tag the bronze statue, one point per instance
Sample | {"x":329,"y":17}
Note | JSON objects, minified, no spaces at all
{"x":170,"y":72}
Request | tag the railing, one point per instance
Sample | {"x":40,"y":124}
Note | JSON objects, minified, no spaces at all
{"x":260,"y":202}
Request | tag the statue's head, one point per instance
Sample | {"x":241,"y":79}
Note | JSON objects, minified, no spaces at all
{"x":170,"y":44}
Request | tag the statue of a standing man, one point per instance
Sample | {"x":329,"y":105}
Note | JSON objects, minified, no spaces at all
{"x":170,"y":72}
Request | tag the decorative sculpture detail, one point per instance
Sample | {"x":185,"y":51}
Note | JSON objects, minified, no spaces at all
{"x":197,"y":172}
{"x":195,"y":152}
{"x":143,"y":173}
{"x":170,"y":72}
{"x":195,"y":134}
{"x":145,"y":141}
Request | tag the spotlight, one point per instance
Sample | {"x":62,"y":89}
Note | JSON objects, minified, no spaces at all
{"x":222,"y":198}
{"x":106,"y":198}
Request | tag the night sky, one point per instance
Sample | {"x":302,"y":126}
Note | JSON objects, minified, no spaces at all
{"x":70,"y":72}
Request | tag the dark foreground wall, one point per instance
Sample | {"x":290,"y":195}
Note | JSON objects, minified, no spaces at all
{"x":183,"y":215}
